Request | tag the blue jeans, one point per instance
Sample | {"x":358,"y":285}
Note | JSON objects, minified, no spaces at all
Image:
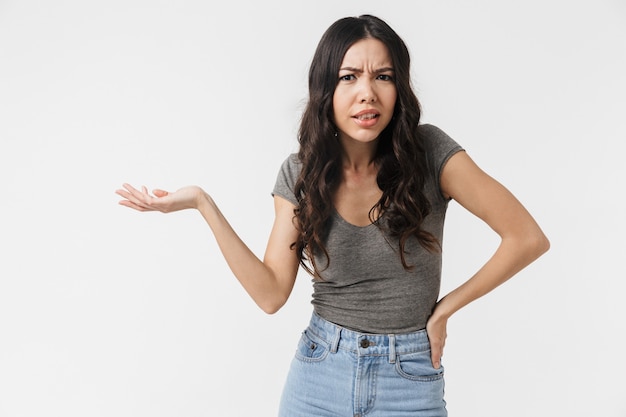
{"x":341,"y":373}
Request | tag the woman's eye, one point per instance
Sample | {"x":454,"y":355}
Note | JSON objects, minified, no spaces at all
{"x":385,"y":77}
{"x":348,"y":77}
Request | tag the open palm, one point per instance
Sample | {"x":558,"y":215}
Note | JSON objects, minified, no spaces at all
{"x":160,"y":200}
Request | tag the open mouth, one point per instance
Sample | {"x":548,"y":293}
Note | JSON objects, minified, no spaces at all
{"x":367,"y":116}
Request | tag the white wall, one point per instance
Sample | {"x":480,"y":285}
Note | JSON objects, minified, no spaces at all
{"x":105,"y":311}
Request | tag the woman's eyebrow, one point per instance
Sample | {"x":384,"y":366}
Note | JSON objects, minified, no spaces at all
{"x":359,"y":70}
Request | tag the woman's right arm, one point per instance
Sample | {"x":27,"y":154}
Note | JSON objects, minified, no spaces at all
{"x":269,"y":281}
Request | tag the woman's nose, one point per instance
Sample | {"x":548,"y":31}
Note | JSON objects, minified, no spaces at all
{"x":367,"y":94}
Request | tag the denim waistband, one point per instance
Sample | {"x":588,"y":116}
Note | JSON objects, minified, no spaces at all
{"x":367,"y":344}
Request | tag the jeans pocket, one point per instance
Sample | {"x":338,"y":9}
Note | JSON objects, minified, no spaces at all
{"x":311,"y":348}
{"x":418,"y":366}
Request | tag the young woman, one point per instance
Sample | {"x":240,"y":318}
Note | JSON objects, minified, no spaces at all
{"x":361,"y":207}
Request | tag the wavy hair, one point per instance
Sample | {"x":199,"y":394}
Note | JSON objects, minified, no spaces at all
{"x":400,"y":155}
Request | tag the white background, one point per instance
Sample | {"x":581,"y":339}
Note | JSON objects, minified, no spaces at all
{"x":109,"y":312}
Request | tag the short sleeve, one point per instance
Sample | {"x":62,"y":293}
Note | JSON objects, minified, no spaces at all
{"x":440,"y":148}
{"x":286,"y":179}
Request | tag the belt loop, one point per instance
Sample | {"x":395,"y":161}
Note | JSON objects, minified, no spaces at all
{"x":392,"y":348}
{"x":335,"y":342}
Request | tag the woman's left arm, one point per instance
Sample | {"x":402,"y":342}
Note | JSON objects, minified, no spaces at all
{"x":522,"y":241}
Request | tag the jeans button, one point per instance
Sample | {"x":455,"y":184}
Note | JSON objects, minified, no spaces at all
{"x":364,"y":343}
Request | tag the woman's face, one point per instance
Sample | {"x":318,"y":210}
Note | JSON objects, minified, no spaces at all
{"x":365,"y":95}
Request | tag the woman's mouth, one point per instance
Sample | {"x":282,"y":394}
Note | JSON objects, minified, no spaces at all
{"x":367,"y":118}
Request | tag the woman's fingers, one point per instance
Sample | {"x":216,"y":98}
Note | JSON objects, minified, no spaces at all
{"x":437,"y":334}
{"x":436,"y":352}
{"x":135,"y":199}
{"x":129,"y":204}
{"x":135,"y":196}
{"x":159,"y":200}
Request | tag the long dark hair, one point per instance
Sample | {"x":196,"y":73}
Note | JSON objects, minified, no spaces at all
{"x":399,"y":156}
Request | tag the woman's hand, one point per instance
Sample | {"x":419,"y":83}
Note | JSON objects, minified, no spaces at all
{"x":436,"y":330}
{"x":160,"y":200}
{"x":269,"y":281}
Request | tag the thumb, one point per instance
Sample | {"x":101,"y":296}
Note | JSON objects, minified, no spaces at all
{"x":436,"y":349}
{"x":435,"y":356}
{"x":160,"y":193}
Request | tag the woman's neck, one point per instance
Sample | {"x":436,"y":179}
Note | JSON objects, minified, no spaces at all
{"x":358,"y":157}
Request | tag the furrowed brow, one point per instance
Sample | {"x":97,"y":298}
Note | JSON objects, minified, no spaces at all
{"x":351,"y":69}
{"x":359,"y":70}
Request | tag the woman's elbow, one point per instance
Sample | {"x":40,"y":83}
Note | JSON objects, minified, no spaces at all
{"x":272,"y":305}
{"x":537,"y":244}
{"x":545,"y":244}
{"x":270,"y":308}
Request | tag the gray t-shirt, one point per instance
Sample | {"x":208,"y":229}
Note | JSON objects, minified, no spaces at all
{"x":365,"y":287}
